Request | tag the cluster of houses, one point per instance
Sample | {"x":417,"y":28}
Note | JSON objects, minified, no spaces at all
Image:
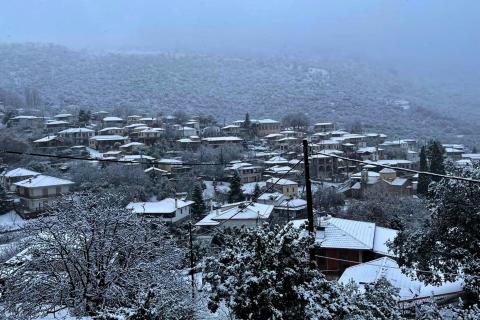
{"x":272,"y":160}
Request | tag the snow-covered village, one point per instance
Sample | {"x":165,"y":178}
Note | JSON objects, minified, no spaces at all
{"x":126,"y":216}
{"x":239,"y":160}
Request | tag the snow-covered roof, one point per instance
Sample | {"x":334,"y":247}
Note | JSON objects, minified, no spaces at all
{"x":410,"y":287}
{"x":132,"y":144}
{"x":352,"y":234}
{"x":282,"y":182}
{"x":293,"y":204}
{"x":20,"y":172}
{"x":282,"y":170}
{"x":382,"y":236}
{"x":219,"y":139}
{"x":76,"y":130}
{"x":170,"y":161}
{"x":387,"y":170}
{"x":26,"y":117}
{"x":134,"y":125}
{"x":167,"y":205}
{"x":43,"y":181}
{"x":46,"y":139}
{"x":273,"y":135}
{"x":112,"y":137}
{"x":323,"y":124}
{"x":276,"y":160}
{"x":112,"y":119}
{"x":231,"y":126}
{"x":271,"y":121}
{"x":136,"y":157}
{"x":63,"y":115}
{"x":237,"y":211}
{"x":53,"y":122}
{"x":110,"y":128}
{"x":148,"y":129}
{"x":153,"y":169}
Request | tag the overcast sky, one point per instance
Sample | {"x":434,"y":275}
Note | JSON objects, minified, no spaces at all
{"x":425,"y":34}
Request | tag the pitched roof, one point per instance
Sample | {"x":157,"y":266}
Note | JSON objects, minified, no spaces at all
{"x":46,"y":139}
{"x":346,"y":234}
{"x":410,"y":288}
{"x":157,"y":207}
{"x":235,"y":211}
{"x":279,"y":181}
{"x":43,"y":181}
{"x":20,"y":172}
{"x":74,"y":130}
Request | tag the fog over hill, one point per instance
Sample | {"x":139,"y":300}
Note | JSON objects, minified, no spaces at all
{"x":342,"y":90}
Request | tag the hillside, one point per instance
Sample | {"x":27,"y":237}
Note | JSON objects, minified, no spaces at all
{"x":341,"y":91}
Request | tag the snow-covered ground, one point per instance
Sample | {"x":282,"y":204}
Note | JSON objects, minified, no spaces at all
{"x":11,"y":221}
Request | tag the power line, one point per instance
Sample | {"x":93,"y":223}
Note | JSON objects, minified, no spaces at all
{"x":438,"y":175}
{"x":393,"y":267}
{"x":108,"y":160}
{"x":254,"y":199}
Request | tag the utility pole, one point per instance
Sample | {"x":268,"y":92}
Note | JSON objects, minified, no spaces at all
{"x":308,"y":190}
{"x":192,"y":271}
{"x":308,"y":186}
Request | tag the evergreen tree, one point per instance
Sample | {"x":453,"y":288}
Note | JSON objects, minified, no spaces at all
{"x":447,"y":244}
{"x":198,"y":207}
{"x":84,"y":116}
{"x":436,"y":152}
{"x":247,"y":123}
{"x":474,"y":150}
{"x":236,"y":193}
{"x":256,"y":192}
{"x":4,"y":203}
{"x":264,"y":273}
{"x":423,"y":180}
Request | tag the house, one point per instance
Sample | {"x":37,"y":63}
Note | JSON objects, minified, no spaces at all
{"x":187,"y":131}
{"x":168,"y":210}
{"x":216,"y":142}
{"x":237,"y":215}
{"x":284,"y":208}
{"x":281,"y":171}
{"x":76,"y":136}
{"x":26,"y":122}
{"x":324,"y":127}
{"x":323,"y":166}
{"x":337,"y":240}
{"x":55,"y":126}
{"x":156,"y":172}
{"x":265,"y":127}
{"x":399,"y":185}
{"x":106,"y":142}
{"x":133,"y":119}
{"x":39,"y":191}
{"x":66,"y":117}
{"x":169,"y":165}
{"x":112,"y":122}
{"x":9,"y":178}
{"x":132,"y":147}
{"x":276,"y":161}
{"x":287,"y":187}
{"x":231,"y":129}
{"x":246,"y":171}
{"x":111,"y":131}
{"x":410,"y":289}
{"x":191,"y":143}
{"x":99,"y":115}
{"x":287,"y":143}
{"x":48,"y":142}
{"x":150,"y":135}
{"x":262,"y":127}
{"x":153,"y":122}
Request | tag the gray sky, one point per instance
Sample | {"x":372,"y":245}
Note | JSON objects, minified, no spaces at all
{"x":437,"y":35}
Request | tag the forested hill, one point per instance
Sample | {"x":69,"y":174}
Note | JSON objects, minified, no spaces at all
{"x":341,"y":91}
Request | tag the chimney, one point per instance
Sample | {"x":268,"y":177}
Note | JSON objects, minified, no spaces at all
{"x":176,"y":203}
{"x":364,"y":176}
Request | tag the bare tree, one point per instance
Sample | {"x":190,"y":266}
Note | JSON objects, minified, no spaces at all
{"x":93,"y":257}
